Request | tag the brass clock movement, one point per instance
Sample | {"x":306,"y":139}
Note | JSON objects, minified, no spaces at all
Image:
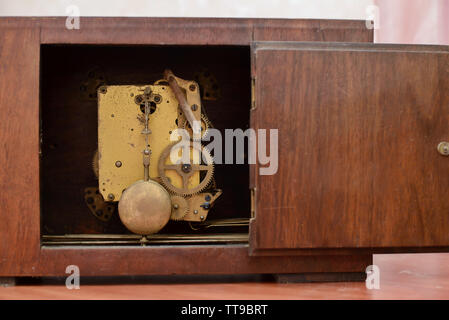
{"x":134,"y":162}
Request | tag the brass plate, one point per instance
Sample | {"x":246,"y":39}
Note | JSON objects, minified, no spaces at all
{"x":120,"y":140}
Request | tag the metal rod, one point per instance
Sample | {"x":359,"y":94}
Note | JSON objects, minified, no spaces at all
{"x":146,"y":151}
{"x":194,"y":123}
{"x":83,"y":239}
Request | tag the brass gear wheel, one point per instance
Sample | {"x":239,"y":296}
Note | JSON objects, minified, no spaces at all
{"x":205,"y":125}
{"x":179,"y":208}
{"x":185,"y":171}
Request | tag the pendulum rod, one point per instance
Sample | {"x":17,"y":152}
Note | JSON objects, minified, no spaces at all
{"x":146,"y":131}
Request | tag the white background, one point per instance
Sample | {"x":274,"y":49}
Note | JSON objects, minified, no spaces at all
{"x":318,"y":9}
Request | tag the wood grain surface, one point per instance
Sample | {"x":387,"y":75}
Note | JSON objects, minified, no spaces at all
{"x":359,"y":126}
{"x":19,"y":156}
{"x":187,"y":31}
{"x":402,"y":276}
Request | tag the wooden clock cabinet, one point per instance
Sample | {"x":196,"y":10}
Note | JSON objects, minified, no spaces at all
{"x":359,"y":127}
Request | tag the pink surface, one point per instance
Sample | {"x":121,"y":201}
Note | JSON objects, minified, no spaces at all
{"x":413,"y":21}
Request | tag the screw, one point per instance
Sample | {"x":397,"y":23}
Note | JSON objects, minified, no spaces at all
{"x":195,"y":211}
{"x":118,"y":164}
{"x":157,"y":98}
{"x":111,"y":196}
{"x":186,"y":168}
{"x":146,"y":152}
{"x":176,"y":206}
{"x":192,"y":87}
{"x":202,"y":217}
{"x":138,"y":99}
{"x":103,"y":89}
{"x":194,"y":107}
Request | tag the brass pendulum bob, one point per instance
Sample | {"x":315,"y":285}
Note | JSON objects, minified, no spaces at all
{"x":145,"y":206}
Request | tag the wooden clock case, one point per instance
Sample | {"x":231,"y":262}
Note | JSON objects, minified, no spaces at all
{"x":359,"y":124}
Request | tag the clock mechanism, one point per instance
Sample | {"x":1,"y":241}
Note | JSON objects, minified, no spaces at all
{"x":154,"y":175}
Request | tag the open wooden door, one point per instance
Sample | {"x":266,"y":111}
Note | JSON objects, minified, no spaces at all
{"x":359,"y":126}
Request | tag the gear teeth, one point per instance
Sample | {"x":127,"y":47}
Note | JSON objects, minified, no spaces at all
{"x":181,"y":191}
{"x":179,"y":213}
{"x":209,"y":180}
{"x":206,"y":122}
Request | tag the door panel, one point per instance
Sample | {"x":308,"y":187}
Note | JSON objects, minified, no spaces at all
{"x":19,"y":156}
{"x":359,"y":126}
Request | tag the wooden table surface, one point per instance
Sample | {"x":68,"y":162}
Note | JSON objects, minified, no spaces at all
{"x":402,"y":276}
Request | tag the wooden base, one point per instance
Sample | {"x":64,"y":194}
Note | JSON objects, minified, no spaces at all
{"x":7,"y":281}
{"x":179,"y":260}
{"x":320,"y":277}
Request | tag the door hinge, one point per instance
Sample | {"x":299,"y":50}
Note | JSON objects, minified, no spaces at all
{"x":253,"y":93}
{"x":253,"y":202}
